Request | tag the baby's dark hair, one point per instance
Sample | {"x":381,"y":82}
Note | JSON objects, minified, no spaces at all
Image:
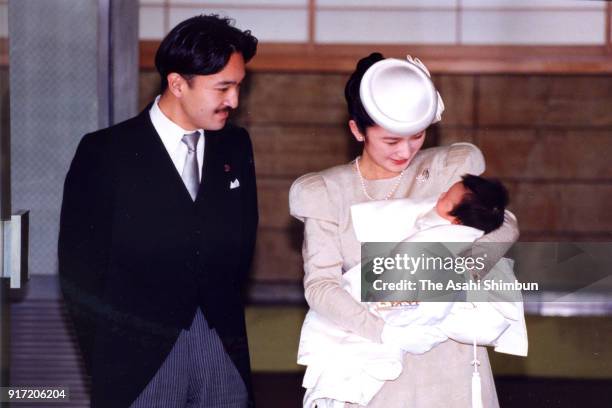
{"x":484,"y":204}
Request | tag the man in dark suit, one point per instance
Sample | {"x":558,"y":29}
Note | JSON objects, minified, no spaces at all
{"x":157,"y":234}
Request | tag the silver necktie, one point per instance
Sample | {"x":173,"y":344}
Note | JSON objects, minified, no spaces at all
{"x":191,"y":174}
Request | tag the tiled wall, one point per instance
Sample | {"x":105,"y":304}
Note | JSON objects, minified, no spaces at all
{"x":450,"y":22}
{"x":272,"y":20}
{"x":549,"y":138}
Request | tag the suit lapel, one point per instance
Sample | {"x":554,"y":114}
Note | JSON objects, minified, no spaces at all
{"x":213,"y":173}
{"x":209,"y":166}
{"x":156,"y":162}
{"x":160,"y":170}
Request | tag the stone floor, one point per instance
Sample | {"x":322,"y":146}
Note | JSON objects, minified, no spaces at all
{"x":284,"y":391}
{"x":43,"y":353}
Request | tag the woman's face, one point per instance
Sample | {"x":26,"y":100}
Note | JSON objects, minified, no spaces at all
{"x":385,"y":154}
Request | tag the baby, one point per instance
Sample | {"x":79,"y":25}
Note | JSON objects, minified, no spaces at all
{"x":342,"y":366}
{"x":474,"y":201}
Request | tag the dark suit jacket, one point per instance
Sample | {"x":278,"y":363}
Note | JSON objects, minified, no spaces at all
{"x":137,"y":256}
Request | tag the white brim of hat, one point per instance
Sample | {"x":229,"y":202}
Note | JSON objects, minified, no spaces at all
{"x":399,"y":96}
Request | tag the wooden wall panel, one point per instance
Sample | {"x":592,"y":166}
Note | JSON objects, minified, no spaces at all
{"x":273,"y":197}
{"x":548,"y":154}
{"x":291,"y":151}
{"x":279,"y":98}
{"x":447,"y":135}
{"x":452,"y":59}
{"x":562,"y":207}
{"x":536,"y":206}
{"x":279,"y":254}
{"x":555,"y":101}
{"x":548,"y":138}
{"x":457,"y":92}
{"x":149,"y":88}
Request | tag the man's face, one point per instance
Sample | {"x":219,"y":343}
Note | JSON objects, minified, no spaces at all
{"x":450,"y":199}
{"x":207,"y":100}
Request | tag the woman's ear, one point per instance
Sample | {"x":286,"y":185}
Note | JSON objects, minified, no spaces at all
{"x":360,"y":137}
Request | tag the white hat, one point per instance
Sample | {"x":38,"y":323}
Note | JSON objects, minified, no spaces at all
{"x":400,"y":97}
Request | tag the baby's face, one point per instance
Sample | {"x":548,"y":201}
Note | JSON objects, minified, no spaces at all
{"x":449,"y":200}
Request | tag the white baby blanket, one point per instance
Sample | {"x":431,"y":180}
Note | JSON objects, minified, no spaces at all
{"x":344,"y":367}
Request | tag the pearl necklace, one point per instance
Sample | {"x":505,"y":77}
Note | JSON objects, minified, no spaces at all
{"x":363,"y":186}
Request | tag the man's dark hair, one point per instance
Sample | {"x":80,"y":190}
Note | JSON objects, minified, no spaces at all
{"x":356,"y":110}
{"x":202,"y":45}
{"x":484,"y":204}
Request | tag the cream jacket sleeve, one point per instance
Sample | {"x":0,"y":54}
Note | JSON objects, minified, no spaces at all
{"x":310,"y":202}
{"x":467,"y":158}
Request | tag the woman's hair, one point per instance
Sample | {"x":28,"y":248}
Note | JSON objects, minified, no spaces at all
{"x":483,"y":205}
{"x":202,"y":45}
{"x":356,"y":110}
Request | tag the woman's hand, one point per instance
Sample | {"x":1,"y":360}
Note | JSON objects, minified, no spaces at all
{"x":415,"y":338}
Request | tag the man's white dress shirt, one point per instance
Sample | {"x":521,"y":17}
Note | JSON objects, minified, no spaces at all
{"x":171,"y":136}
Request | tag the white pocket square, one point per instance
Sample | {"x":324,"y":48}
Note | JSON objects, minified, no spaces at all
{"x":234,"y":184}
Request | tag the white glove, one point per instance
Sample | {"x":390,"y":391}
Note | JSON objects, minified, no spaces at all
{"x":415,"y":339}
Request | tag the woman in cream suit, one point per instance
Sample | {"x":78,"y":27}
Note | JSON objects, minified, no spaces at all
{"x":390,"y":166}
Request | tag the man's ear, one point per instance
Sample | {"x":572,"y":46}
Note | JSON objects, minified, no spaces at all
{"x":176,"y":84}
{"x":456,"y":221}
{"x":360,"y":137}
